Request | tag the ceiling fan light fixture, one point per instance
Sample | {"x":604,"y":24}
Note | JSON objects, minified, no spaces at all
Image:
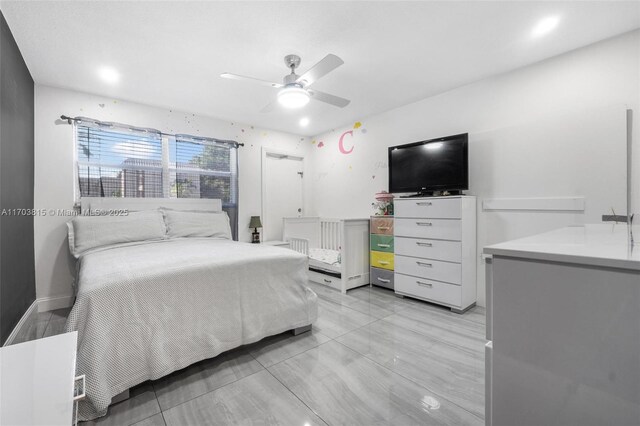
{"x":293,"y":97}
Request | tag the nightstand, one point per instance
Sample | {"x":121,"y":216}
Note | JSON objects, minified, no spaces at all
{"x":38,"y":381}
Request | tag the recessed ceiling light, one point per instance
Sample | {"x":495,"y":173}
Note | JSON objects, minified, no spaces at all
{"x":109,"y":75}
{"x":304,"y":121}
{"x":545,"y":26}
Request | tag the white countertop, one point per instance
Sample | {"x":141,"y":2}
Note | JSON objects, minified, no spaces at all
{"x":599,"y":245}
{"x":36,"y":381}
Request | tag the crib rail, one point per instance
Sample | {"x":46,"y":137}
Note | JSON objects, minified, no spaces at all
{"x":330,"y":234}
{"x":301,"y":245}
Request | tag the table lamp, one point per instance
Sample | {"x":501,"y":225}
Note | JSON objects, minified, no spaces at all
{"x":255,"y":224}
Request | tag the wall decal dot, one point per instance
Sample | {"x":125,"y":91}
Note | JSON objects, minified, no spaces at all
{"x":313,"y":142}
{"x":242,"y":130}
{"x":357,"y":125}
{"x":363,"y":130}
{"x":115,"y":102}
{"x":350,"y":168}
{"x":373,"y":177}
{"x":320,"y":144}
{"x":264,"y":134}
{"x":101,"y":105}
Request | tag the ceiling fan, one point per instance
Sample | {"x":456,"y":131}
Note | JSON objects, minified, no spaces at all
{"x":294,"y":90}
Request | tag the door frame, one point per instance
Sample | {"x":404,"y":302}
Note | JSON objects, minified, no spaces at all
{"x":276,"y":153}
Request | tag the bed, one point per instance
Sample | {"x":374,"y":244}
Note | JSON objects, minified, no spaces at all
{"x":147,"y":308}
{"x":338,"y":249}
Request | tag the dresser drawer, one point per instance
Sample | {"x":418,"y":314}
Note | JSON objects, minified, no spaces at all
{"x":440,"y":229}
{"x":324,"y":279}
{"x":426,"y":289}
{"x":382,"y":243}
{"x":382,"y":278}
{"x":451,"y":251}
{"x":436,"y":208}
{"x":382,"y":260}
{"x":382,"y":225}
{"x":427,"y":268}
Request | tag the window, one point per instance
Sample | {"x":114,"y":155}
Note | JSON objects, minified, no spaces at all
{"x":114,"y":161}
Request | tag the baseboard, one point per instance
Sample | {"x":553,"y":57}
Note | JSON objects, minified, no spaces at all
{"x":30,"y":311}
{"x":52,"y":303}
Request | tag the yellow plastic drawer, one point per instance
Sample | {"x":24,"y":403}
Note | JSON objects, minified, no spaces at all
{"x":382,"y":260}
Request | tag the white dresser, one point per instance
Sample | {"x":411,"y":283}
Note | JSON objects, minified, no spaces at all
{"x":435,"y":250}
{"x":563,"y":321}
{"x":37,"y":381}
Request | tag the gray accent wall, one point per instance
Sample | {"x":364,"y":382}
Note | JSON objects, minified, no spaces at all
{"x":17,"y":270}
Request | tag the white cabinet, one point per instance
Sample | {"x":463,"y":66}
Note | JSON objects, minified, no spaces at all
{"x":563,"y":320}
{"x":37,"y":381}
{"x":435,"y":250}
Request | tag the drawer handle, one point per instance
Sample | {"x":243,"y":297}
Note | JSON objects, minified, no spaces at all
{"x":80,"y":394}
{"x":382,"y":280}
{"x":383,"y":262}
{"x":327,"y":281}
{"x":384,"y":245}
{"x":420,"y":283}
{"x":383,"y":228}
{"x":424,"y":203}
{"x":424,"y":244}
{"x":426,"y":265}
{"x":424,"y":223}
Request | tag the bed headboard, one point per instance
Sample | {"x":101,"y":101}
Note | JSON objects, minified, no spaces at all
{"x":138,"y":204}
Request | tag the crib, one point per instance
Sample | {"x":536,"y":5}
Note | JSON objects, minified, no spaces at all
{"x":338,"y":249}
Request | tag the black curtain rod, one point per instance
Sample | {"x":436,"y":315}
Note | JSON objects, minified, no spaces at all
{"x":71,"y":120}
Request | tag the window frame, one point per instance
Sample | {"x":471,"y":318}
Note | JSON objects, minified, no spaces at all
{"x":169,"y":171}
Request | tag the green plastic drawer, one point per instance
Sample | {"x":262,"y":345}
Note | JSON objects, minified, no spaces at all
{"x":382,"y":243}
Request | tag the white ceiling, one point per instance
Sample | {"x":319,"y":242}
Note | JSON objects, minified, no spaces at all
{"x":171,"y":53}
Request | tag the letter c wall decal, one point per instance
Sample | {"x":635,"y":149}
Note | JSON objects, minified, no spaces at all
{"x":341,"y":142}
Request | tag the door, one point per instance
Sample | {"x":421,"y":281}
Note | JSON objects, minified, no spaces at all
{"x":282,"y":192}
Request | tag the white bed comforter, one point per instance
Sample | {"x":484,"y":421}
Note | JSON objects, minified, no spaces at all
{"x":143,"y":311}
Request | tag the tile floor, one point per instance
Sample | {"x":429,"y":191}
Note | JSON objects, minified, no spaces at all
{"x":371,"y":358}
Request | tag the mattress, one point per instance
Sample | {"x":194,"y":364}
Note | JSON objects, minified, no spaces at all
{"x":146,"y":310}
{"x":324,"y":259}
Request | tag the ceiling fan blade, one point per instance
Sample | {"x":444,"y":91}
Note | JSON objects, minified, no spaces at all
{"x":250,"y":79}
{"x":330,"y":99}
{"x":322,"y":68}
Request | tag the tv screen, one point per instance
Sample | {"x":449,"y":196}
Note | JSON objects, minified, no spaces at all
{"x":440,"y":164}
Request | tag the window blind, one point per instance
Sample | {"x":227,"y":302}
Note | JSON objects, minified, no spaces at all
{"x":120,"y":162}
{"x":205,"y":169}
{"x":114,"y":163}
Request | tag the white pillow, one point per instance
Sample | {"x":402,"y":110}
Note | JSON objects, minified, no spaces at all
{"x":197,"y":224}
{"x":89,"y":232}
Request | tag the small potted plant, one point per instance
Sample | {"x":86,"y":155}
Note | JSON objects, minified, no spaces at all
{"x":383,"y":204}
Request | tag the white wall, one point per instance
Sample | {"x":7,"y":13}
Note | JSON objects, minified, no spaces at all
{"x":574,"y":106}
{"x":54,"y":168}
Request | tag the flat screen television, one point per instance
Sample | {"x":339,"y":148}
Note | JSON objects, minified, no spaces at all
{"x":424,"y":167}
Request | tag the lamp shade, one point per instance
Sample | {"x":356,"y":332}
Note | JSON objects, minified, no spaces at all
{"x":255,"y":222}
